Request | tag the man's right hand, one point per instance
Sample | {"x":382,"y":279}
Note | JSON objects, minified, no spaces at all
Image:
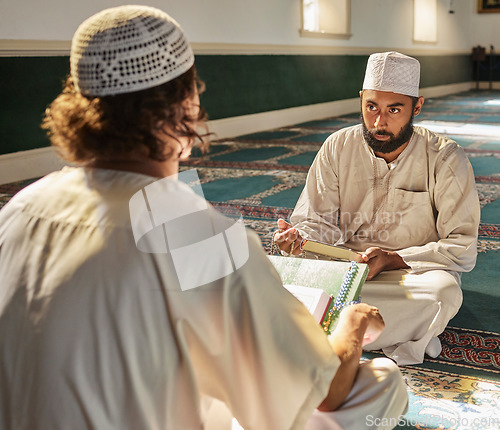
{"x":286,"y":236}
{"x":358,"y":325}
{"x":374,"y":321}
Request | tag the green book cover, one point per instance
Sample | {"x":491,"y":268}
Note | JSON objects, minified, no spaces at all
{"x":340,"y":280}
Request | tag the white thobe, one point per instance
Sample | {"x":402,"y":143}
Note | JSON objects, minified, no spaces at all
{"x":424,"y":205}
{"x":99,"y":335}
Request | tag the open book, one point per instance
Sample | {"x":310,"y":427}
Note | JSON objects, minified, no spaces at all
{"x":315,"y":300}
{"x":323,"y":286}
{"x":331,"y":251}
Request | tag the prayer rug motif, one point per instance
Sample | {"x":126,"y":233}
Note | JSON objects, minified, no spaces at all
{"x":489,"y":231}
{"x":264,"y":229}
{"x":4,"y":198}
{"x":441,"y":400}
{"x":485,"y":245}
{"x":468,"y":352}
{"x":488,"y":192}
{"x":205,"y":162}
{"x":471,"y":348}
{"x":244,"y":187}
{"x":8,"y":190}
{"x":211,"y":174}
{"x":254,"y":212}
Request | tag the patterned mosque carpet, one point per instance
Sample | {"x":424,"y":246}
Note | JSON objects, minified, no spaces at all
{"x":260,"y":177}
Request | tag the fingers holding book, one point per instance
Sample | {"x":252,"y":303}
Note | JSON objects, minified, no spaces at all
{"x":379,"y":260}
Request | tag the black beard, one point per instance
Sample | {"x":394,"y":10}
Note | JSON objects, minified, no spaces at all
{"x":388,"y":146}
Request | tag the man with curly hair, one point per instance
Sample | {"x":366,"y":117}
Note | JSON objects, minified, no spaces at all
{"x":107,"y":323}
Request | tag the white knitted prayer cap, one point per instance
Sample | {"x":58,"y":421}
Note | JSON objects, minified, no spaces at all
{"x":128,"y":48}
{"x":392,"y":72}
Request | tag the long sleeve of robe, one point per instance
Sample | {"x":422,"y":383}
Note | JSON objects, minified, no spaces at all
{"x":424,"y":205}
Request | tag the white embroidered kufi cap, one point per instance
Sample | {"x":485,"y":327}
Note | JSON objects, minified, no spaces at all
{"x":392,"y":72}
{"x":128,"y":48}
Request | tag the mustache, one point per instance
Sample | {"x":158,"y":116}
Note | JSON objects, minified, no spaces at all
{"x":380,"y":132}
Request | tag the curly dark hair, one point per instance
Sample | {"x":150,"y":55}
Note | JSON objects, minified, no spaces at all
{"x":86,"y":129}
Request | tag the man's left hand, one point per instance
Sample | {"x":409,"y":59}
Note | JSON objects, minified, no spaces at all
{"x":379,"y":260}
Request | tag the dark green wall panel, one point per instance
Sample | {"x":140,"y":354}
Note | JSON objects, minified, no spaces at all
{"x":243,"y":84}
{"x":444,"y":70}
{"x":236,"y":85}
{"x":27,"y":86}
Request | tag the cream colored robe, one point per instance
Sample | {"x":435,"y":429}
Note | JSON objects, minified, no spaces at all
{"x":98,"y":335}
{"x":424,"y":205}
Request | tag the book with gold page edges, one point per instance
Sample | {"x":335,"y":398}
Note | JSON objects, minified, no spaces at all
{"x":325,"y":250}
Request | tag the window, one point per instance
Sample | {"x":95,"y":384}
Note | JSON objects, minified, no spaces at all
{"x":425,"y":21}
{"x":326,"y":18}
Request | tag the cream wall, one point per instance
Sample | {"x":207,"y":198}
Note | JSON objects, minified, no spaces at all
{"x":486,"y":29}
{"x":374,"y":23}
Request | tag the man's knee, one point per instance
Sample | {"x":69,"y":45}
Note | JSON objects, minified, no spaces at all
{"x":387,"y":372}
{"x":449,"y":289}
{"x":440,"y":286}
{"x":390,"y":381}
{"x":379,"y":395}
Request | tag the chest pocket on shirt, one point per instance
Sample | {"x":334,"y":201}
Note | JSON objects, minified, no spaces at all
{"x":415,"y":214}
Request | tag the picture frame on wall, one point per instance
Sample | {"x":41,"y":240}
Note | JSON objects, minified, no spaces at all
{"x":488,"y":6}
